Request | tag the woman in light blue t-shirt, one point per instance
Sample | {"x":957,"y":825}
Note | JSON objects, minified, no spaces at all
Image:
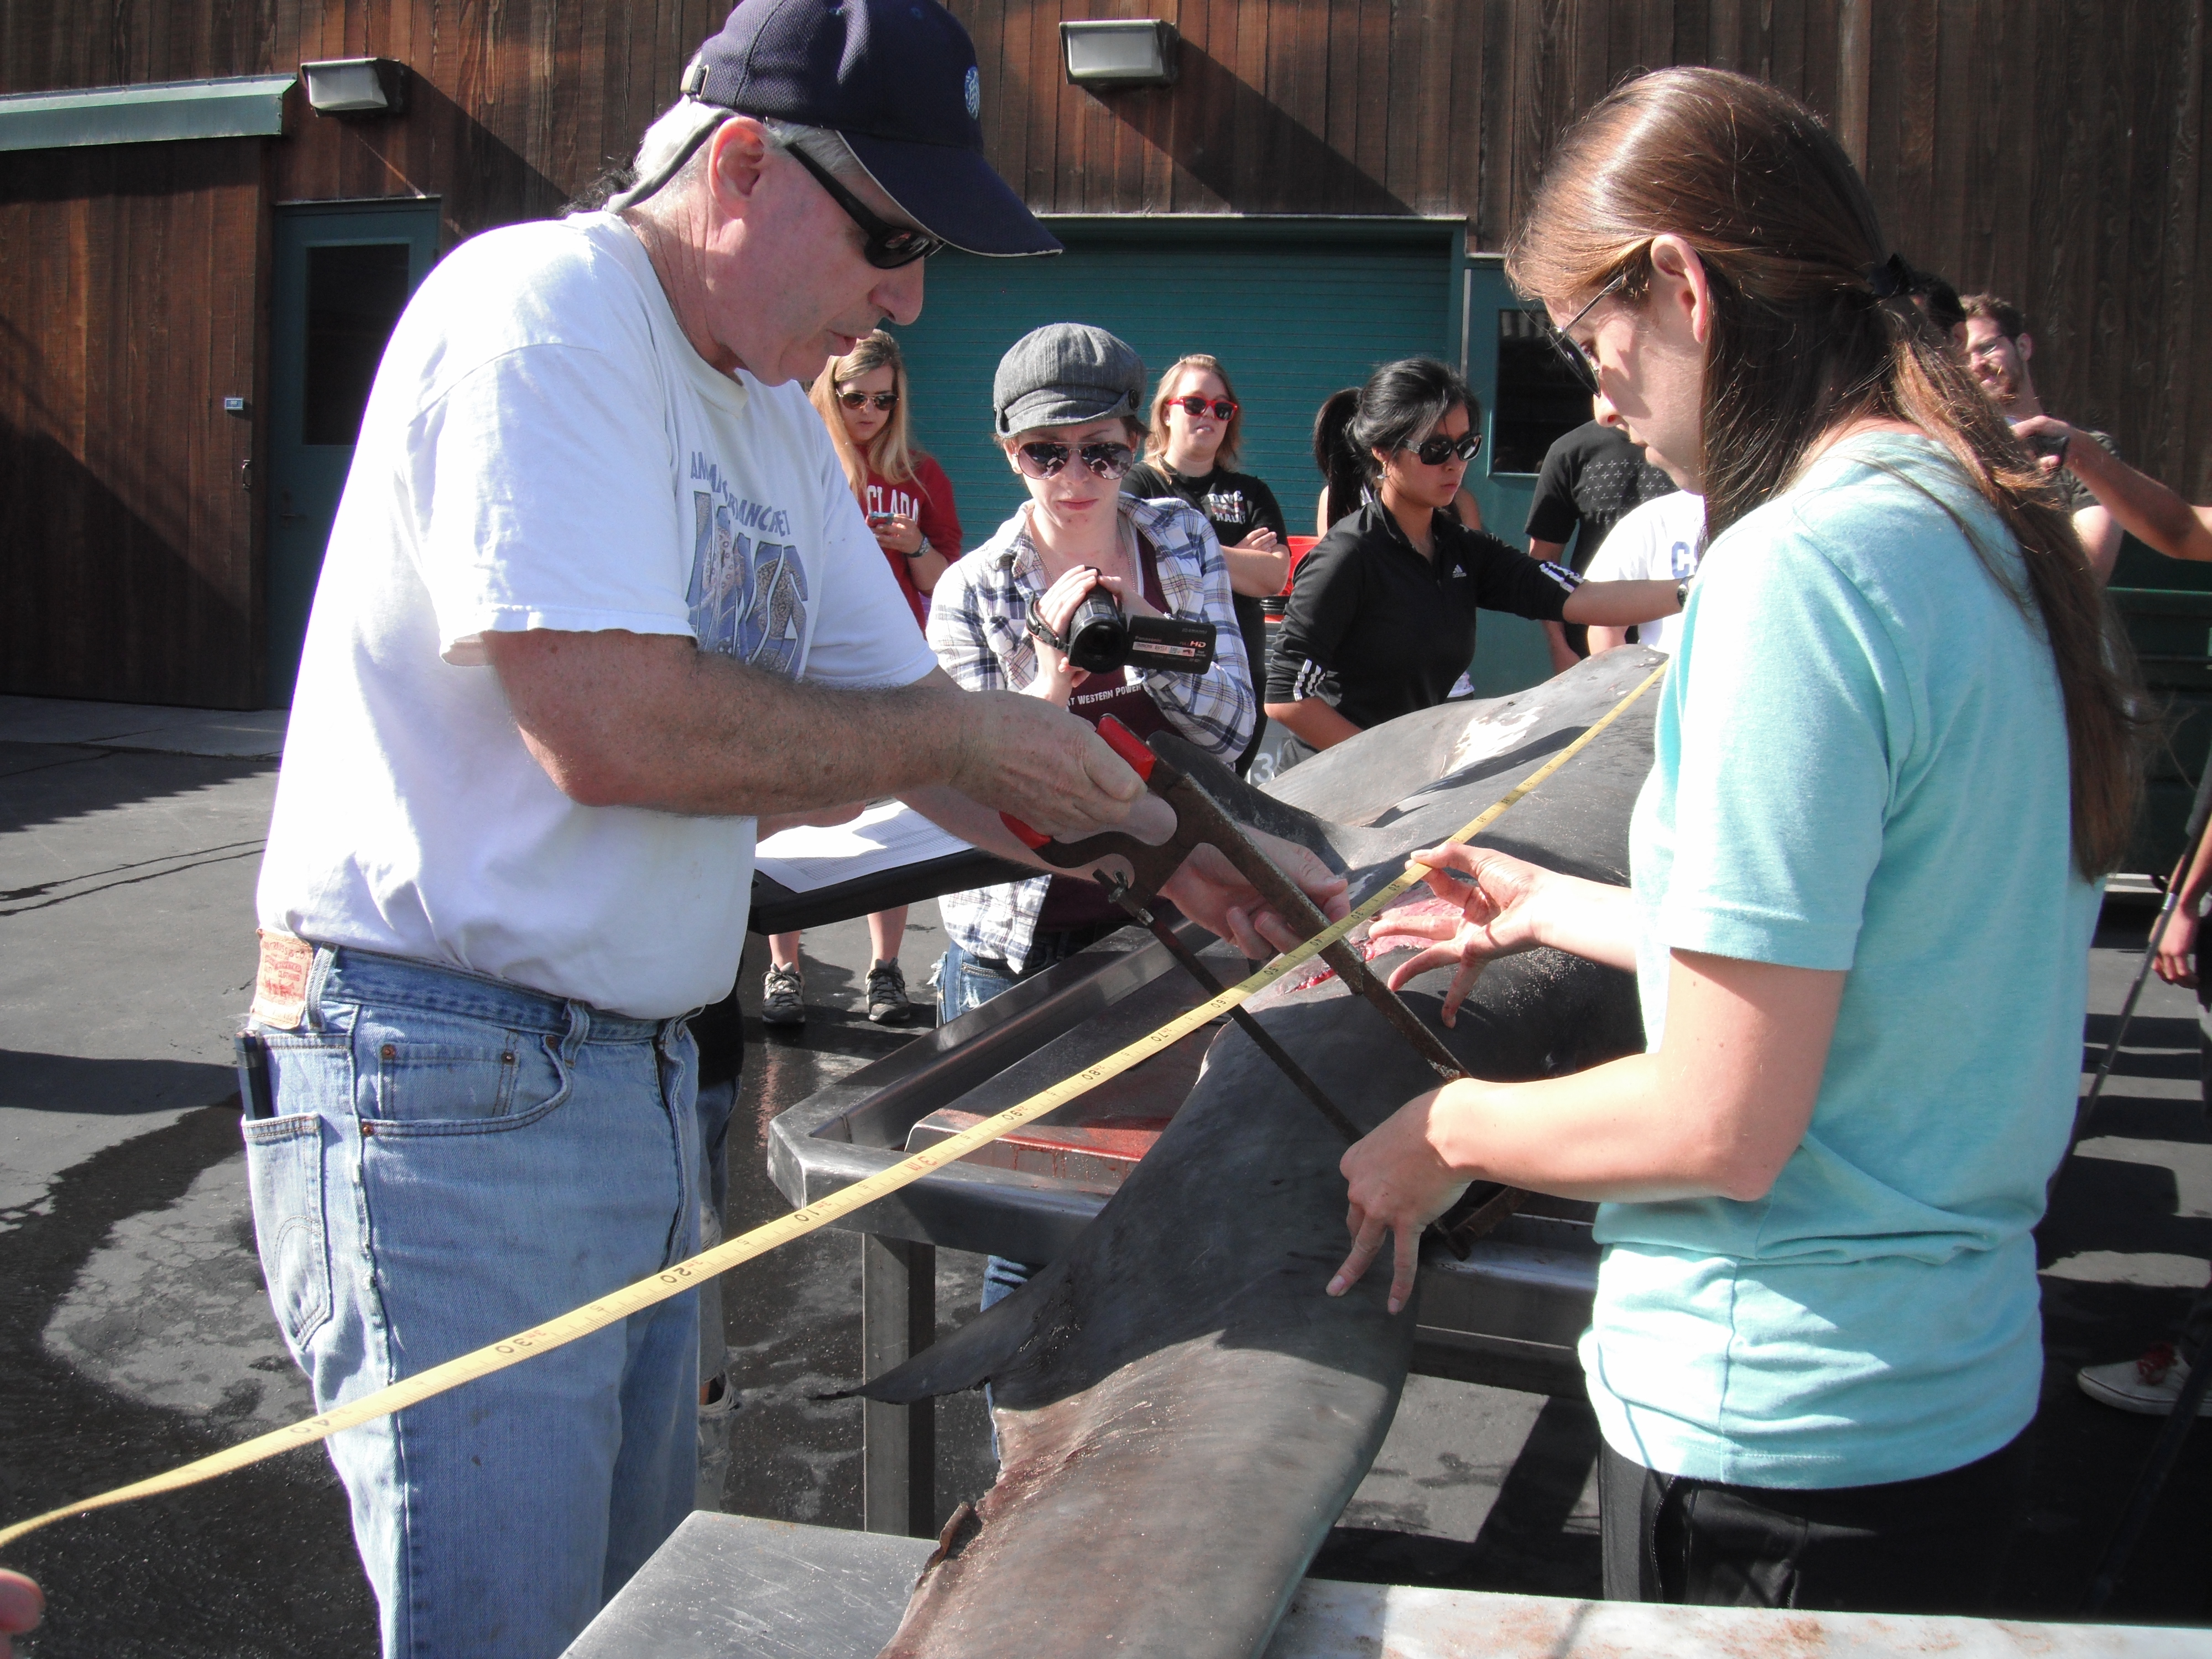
{"x":1891,"y":751}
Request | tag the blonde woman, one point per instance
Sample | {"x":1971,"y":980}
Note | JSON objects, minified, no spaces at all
{"x":862,"y":398}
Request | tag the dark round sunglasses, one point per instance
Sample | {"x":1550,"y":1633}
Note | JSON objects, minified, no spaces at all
{"x":889,"y":246}
{"x":880,"y":399}
{"x":1437,"y":450}
{"x":1194,"y":405}
{"x":1044,"y":460}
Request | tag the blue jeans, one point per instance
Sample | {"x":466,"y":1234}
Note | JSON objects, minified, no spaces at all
{"x":453,"y":1159}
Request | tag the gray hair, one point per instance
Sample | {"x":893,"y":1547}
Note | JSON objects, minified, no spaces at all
{"x":671,"y":157}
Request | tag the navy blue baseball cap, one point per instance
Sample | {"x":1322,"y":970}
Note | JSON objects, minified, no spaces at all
{"x":897,"y":79}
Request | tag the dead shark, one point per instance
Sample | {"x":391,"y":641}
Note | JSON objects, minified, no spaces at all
{"x":1182,"y":1412}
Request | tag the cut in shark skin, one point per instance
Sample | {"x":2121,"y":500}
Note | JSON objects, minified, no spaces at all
{"x":1181,"y":1412}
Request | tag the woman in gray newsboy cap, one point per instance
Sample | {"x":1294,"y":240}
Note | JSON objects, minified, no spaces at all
{"x":1068,"y":402}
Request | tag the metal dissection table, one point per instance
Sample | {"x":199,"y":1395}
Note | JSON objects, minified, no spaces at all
{"x":1509,"y":1316}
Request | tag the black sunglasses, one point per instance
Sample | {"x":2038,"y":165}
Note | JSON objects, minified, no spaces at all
{"x":1194,"y":405}
{"x":1580,"y":363}
{"x":889,"y":246}
{"x":1435,"y":450}
{"x":1044,"y":460}
{"x":881,"y":399}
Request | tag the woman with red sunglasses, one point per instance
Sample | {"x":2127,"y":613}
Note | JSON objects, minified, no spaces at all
{"x":1196,"y":426}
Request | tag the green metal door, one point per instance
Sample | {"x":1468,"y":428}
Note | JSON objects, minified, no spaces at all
{"x":344,"y":273}
{"x":1294,"y":312}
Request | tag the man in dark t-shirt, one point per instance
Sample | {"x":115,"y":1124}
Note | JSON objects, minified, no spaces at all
{"x":1592,"y":476}
{"x":1236,"y":504}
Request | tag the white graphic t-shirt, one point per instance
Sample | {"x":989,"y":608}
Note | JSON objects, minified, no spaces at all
{"x":1662,"y":540}
{"x":543,"y":449}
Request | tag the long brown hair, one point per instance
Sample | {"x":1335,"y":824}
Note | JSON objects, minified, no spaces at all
{"x":1232,"y":435}
{"x":1803,"y":343}
{"x":890,"y":452}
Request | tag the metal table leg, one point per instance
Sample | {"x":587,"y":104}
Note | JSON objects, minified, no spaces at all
{"x":898,"y":1317}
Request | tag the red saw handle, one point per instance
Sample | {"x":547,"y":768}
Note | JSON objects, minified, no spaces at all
{"x":1123,"y":742}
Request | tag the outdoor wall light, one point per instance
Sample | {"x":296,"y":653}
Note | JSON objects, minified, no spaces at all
{"x":1121,"y":52}
{"x":356,"y":86}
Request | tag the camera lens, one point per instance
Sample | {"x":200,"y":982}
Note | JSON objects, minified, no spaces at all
{"x":1098,"y":639}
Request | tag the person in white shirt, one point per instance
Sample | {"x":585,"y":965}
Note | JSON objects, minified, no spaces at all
{"x":599,"y":606}
{"x":1662,"y":540}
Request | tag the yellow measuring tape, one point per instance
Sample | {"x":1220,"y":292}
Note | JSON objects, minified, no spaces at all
{"x":685,"y":1275}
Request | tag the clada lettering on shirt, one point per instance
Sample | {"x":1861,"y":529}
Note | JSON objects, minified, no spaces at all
{"x":894,"y":499}
{"x":748,"y":592}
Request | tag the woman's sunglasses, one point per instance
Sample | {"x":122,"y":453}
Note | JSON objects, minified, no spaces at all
{"x":1195,"y":405}
{"x":1044,"y":460}
{"x":1437,"y":450}
{"x":880,"y":399}
{"x":889,"y":246}
{"x":1580,"y":363}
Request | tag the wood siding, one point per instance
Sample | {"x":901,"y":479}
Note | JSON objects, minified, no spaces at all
{"x":2049,"y":150}
{"x":127,"y":535}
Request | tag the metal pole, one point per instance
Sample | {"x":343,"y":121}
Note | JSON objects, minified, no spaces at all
{"x":2152,"y":1480}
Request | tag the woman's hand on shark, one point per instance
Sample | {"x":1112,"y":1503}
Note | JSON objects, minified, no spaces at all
{"x":1398,"y":1182}
{"x":1500,"y":903}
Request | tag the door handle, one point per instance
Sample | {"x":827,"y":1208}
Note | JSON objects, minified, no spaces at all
{"x":246,"y":473}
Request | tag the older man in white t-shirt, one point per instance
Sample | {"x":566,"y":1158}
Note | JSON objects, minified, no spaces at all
{"x":598,"y":606}
{"x":1662,"y":540}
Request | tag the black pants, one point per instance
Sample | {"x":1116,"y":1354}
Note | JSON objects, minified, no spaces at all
{"x":1931,"y":1546}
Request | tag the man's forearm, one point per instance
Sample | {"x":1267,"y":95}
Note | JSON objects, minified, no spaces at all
{"x":636,"y":720}
{"x":2145,"y":508}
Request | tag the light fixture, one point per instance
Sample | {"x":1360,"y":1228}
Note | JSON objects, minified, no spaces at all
{"x":356,"y":86}
{"x":1121,"y":52}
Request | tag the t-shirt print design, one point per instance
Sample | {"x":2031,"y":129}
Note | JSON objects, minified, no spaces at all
{"x":747,"y":597}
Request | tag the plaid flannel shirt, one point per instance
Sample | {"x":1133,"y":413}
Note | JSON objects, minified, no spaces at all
{"x":978,"y":626}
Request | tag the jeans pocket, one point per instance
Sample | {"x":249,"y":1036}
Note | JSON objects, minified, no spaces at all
{"x":284,"y":1173}
{"x":440,"y":1075}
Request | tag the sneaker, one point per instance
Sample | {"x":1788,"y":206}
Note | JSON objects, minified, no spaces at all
{"x":887,"y":998}
{"x":783,"y":997}
{"x":2149,"y":1385}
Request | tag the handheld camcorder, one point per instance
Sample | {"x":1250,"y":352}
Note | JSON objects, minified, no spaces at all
{"x":1100,"y":637}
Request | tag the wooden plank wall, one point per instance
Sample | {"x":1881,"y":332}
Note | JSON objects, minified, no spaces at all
{"x":127,"y":284}
{"x":2050,"y":149}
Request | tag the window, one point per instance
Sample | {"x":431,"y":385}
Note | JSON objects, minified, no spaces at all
{"x":356,"y":292}
{"x":1539,"y":399}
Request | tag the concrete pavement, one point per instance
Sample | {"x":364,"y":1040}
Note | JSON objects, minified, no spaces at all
{"x":134,"y":1334}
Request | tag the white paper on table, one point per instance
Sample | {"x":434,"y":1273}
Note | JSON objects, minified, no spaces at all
{"x":887,"y":837}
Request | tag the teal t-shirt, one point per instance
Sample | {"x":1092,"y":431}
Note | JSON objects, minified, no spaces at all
{"x":1861,"y":763}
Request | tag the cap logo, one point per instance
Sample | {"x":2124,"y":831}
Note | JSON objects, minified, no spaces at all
{"x":974,"y":87}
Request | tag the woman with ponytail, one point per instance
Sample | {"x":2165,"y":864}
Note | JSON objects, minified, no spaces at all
{"x":1893,"y":749}
{"x":1382,"y":614}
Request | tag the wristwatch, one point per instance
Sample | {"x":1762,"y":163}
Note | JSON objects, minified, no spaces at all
{"x":1682,"y":595}
{"x":924,"y":548}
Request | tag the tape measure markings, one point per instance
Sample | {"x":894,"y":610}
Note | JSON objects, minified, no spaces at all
{"x":808,"y":1217}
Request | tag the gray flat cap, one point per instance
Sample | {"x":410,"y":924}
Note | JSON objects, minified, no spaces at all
{"x":1063,"y":374}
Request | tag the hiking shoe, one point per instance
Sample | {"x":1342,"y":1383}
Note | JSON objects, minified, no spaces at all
{"x":887,"y":998}
{"x":783,"y":997}
{"x":2149,"y":1385}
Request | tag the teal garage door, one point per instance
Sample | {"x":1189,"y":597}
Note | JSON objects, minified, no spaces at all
{"x":1294,"y":311}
